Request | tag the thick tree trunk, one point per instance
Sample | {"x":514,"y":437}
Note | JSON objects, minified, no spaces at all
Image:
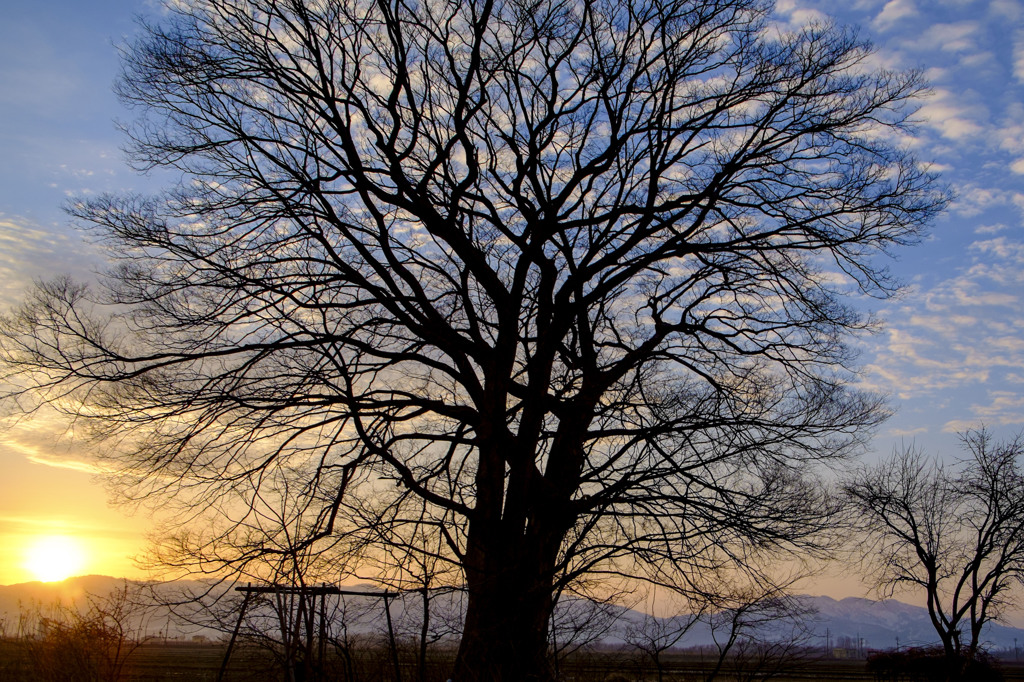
{"x":520,"y":519}
{"x":505,"y":637}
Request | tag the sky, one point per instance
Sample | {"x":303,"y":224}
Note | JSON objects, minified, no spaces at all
{"x":950,"y":354}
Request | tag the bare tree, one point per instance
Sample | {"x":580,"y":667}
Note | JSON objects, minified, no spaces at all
{"x":89,"y":641}
{"x":585,"y":611}
{"x":954,"y":532}
{"x":653,"y":636}
{"x":571,"y":272}
{"x":760,"y":633}
{"x":405,"y":551}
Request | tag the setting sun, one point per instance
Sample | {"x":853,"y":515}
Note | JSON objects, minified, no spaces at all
{"x":55,"y":557}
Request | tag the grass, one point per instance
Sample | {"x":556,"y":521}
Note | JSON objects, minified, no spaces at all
{"x":200,"y":662}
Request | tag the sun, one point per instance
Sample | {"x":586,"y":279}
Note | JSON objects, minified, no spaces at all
{"x":52,"y":558}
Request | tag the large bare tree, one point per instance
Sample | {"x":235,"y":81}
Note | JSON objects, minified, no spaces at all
{"x":569,"y":275}
{"x":952,"y":532}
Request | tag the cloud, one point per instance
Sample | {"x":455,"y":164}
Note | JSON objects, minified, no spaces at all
{"x":1001,"y":247}
{"x":793,"y":16}
{"x":976,"y":60}
{"x":893,"y":12}
{"x":29,"y":250}
{"x":943,"y":325}
{"x":33,"y":525}
{"x":973,"y":200}
{"x":1004,"y":408}
{"x":960,"y":36}
{"x":907,"y":433}
{"x":954,"y":115}
{"x":1007,"y":9}
{"x":932,"y":167}
{"x":1018,"y":55}
{"x":995,"y":228}
{"x":964,"y":332}
{"x":1010,"y":134}
{"x":38,"y":454}
{"x":49,"y":440}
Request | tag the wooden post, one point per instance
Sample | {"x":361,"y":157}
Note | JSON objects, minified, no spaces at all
{"x":391,"y":637}
{"x":234,"y":636}
{"x":321,"y":652}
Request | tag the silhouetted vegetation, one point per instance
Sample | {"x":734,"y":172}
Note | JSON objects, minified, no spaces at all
{"x":932,"y":665}
{"x":955,"y":533}
{"x":90,"y":642}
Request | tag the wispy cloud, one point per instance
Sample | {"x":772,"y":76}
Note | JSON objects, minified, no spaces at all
{"x":28,"y":251}
{"x":1004,"y":408}
{"x":1010,"y":134}
{"x":1006,"y":9}
{"x":973,"y":200}
{"x":33,"y":525}
{"x":45,"y":442}
{"x":964,"y":331}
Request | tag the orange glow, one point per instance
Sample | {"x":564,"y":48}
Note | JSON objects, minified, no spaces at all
{"x":55,"y":557}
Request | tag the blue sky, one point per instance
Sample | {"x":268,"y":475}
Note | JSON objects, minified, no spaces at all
{"x":951,"y":353}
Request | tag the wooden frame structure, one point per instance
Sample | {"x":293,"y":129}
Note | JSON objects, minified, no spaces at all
{"x":311,"y":618}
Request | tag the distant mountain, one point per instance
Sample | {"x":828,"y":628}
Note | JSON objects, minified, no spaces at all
{"x":880,"y":623}
{"x":875,"y":624}
{"x":33,"y":596}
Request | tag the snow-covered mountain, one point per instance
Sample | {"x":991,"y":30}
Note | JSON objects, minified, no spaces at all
{"x":880,"y":623}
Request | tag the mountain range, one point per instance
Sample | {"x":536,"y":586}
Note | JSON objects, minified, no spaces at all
{"x":849,"y":622}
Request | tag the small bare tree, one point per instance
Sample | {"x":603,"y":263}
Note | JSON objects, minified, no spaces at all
{"x":91,"y":641}
{"x":954,"y":532}
{"x":652,"y":635}
{"x":585,"y":611}
{"x":760,"y":631}
{"x":403,"y":548}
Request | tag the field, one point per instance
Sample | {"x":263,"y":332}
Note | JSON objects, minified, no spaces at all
{"x":200,"y":662}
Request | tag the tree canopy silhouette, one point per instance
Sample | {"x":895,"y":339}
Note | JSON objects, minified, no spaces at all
{"x":567,"y":277}
{"x":956,"y":533}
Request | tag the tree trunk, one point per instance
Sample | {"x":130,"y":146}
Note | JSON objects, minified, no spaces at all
{"x":505,"y":637}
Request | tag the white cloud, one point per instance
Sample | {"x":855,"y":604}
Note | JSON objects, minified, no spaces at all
{"x":1010,"y":135}
{"x":964,"y":333}
{"x":1001,"y":247}
{"x":954,"y":115}
{"x":935,"y":167}
{"x":960,"y":36}
{"x":796,"y":16}
{"x":1005,"y":407}
{"x":29,"y":250}
{"x":943,"y":325}
{"x":907,"y":433}
{"x":977,"y":60}
{"x":1007,"y":9}
{"x":973,"y":200}
{"x":39,"y":454}
{"x":894,"y":11}
{"x":995,"y":228}
{"x":1018,"y":55}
